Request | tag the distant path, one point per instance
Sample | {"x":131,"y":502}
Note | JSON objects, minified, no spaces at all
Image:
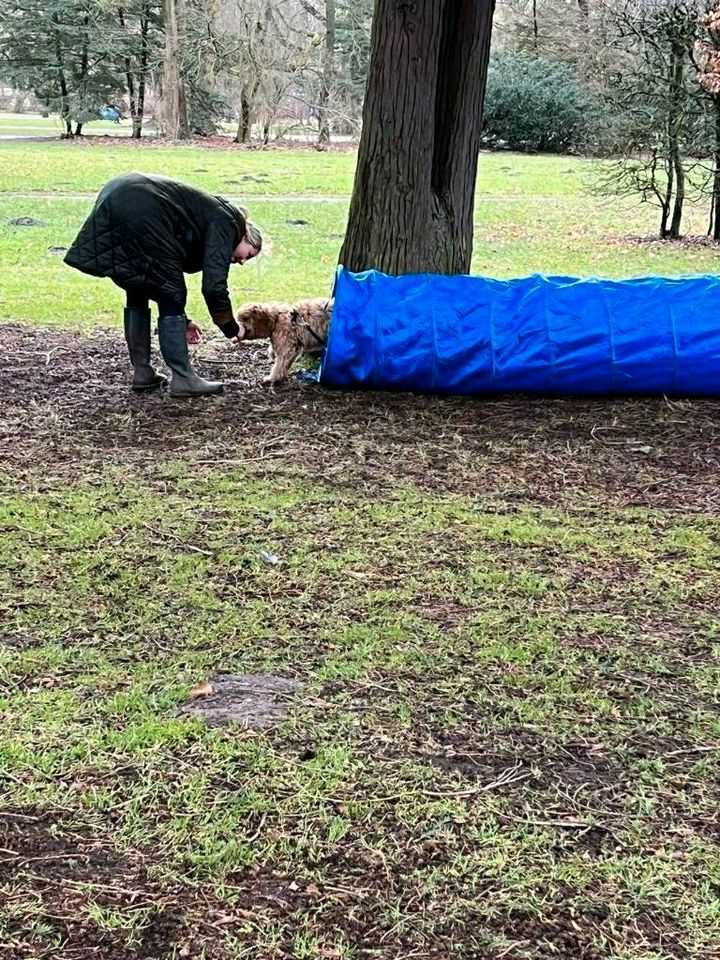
{"x":29,"y":138}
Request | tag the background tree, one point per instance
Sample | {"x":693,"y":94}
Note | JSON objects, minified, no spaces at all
{"x":60,"y":51}
{"x":656,"y":105}
{"x":707,"y":62}
{"x":139,"y":40}
{"x":174,"y":111}
{"x":413,"y":197}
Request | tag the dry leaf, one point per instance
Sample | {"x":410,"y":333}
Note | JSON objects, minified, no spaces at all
{"x":201,"y":690}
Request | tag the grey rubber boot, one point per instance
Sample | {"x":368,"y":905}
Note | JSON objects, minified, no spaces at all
{"x":137,"y":337}
{"x":173,"y":346}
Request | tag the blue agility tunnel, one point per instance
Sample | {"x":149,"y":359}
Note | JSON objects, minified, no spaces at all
{"x":542,"y":335}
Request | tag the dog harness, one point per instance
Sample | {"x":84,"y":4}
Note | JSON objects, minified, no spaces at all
{"x":295,"y":321}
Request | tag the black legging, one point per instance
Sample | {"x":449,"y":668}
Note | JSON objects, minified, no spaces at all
{"x":138,"y":298}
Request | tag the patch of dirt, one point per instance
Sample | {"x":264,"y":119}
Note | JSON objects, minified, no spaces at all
{"x":687,"y":242}
{"x":256,"y":701}
{"x":59,"y":880}
{"x":583,"y":933}
{"x":67,"y":406}
{"x":518,"y":760}
{"x":657,"y":636}
{"x":19,"y":642}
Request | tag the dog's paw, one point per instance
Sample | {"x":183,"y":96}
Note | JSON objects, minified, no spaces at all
{"x":273,"y":383}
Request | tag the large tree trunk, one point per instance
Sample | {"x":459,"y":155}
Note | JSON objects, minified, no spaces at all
{"x":412,"y":204}
{"x":175,"y":106}
{"x":328,"y":74}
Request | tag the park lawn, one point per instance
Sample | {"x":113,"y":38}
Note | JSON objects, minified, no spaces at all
{"x":503,"y":615}
{"x":552,"y":226}
{"x":84,"y":166}
{"x":299,"y":262}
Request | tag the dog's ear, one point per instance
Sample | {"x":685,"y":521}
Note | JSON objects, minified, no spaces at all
{"x":262,"y":327}
{"x":242,"y":317}
{"x":251,"y":319}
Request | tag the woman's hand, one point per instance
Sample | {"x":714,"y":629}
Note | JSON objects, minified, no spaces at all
{"x":194,"y":333}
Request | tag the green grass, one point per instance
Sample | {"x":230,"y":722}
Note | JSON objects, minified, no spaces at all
{"x":83,"y":168}
{"x":119,"y":617}
{"x":506,"y":744}
{"x":532,"y":214}
{"x":299,"y":262}
{"x":34,"y":125}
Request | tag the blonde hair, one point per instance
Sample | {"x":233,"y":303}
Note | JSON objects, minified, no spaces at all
{"x":253,"y":235}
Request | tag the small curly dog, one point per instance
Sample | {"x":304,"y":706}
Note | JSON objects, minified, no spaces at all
{"x":292,"y":330}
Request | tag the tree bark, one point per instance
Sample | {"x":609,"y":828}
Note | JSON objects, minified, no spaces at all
{"x":715,"y":218}
{"x":129,"y":78}
{"x":667,"y":200}
{"x":244,"y":130}
{"x":137,"y":97}
{"x":328,"y":74}
{"x":62,"y":82}
{"x":414,"y":191}
{"x":674,"y":125}
{"x":176,"y":118}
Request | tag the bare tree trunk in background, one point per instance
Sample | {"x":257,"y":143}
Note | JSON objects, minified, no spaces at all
{"x":136,"y":97}
{"x":715,"y":214}
{"x":413,"y":198}
{"x":536,"y":26}
{"x":62,"y":83}
{"x":674,"y":126}
{"x":328,"y":74}
{"x":84,"y":65}
{"x":667,"y":200}
{"x":129,"y":78}
{"x":138,"y":116}
{"x":175,"y":105}
{"x":244,"y":130}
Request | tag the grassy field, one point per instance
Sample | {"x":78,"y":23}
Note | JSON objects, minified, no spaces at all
{"x":35,"y":125}
{"x":503,"y":615}
{"x":533,"y":214}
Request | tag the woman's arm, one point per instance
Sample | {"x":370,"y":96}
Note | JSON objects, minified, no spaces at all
{"x":220,"y":240}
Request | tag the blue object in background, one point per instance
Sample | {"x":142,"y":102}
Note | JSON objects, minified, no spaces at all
{"x":542,"y":335}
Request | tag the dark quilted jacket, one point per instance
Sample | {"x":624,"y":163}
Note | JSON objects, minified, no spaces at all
{"x":147,"y":231}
